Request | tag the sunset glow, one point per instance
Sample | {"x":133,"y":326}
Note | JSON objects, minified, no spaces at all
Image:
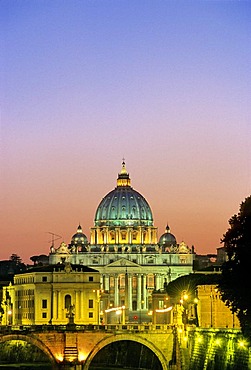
{"x":85,"y":83}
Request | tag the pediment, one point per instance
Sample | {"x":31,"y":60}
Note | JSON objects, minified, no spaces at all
{"x":123,"y":262}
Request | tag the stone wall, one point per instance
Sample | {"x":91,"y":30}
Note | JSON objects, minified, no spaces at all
{"x":216,"y":349}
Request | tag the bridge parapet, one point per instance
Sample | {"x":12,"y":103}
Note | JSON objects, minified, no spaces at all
{"x":79,"y":346}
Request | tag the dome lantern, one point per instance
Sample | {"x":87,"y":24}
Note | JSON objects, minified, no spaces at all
{"x":123,"y":177}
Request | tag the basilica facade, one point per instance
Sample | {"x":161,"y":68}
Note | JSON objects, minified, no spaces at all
{"x":124,"y":247}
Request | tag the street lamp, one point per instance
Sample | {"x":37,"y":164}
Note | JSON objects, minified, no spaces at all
{"x":9,"y":313}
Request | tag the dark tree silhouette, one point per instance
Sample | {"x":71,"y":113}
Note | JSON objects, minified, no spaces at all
{"x":16,"y":264}
{"x":16,"y":259}
{"x":235,"y":278}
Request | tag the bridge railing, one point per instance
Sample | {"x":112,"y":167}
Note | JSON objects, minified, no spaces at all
{"x":83,"y":328}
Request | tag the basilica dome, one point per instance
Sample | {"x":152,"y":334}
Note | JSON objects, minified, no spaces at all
{"x":167,"y":239}
{"x":79,"y":238}
{"x":123,"y":206}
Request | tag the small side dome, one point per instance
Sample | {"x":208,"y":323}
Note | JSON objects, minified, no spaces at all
{"x":167,"y":239}
{"x":79,"y":238}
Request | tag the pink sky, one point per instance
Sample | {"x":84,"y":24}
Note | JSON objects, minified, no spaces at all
{"x":83,"y":84}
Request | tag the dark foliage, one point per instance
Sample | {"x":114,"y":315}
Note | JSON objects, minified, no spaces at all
{"x":234,"y":284}
{"x":189,"y":284}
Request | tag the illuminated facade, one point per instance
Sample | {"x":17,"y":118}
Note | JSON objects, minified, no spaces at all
{"x":54,"y":294}
{"x":212,"y":311}
{"x":125,"y":249}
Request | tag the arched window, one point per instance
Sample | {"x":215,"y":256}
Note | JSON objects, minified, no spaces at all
{"x":67,"y":301}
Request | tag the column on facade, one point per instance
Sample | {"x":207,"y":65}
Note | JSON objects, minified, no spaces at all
{"x":60,"y":306}
{"x":105,"y":236}
{"x":77,"y":305}
{"x":157,"y":282}
{"x":129,"y":236}
{"x":116,"y":290}
{"x":144,"y":293}
{"x":139,"y":292}
{"x":141,"y":236}
{"x":81,"y":304}
{"x":102,"y":281}
{"x":54,"y":305}
{"x":107,"y":283}
{"x":117,"y":236}
{"x":129,"y":298}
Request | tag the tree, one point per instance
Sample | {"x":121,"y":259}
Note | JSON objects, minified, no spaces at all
{"x":16,"y":263}
{"x":16,"y":259}
{"x":234,"y":284}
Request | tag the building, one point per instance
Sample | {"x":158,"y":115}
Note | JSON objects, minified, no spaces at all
{"x":53,"y":294}
{"x":212,"y":311}
{"x":125,"y":249}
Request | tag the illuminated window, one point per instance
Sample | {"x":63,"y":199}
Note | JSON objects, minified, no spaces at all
{"x":161,"y":304}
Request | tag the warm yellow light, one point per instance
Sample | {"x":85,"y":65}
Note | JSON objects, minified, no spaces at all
{"x":82,"y":356}
{"x":9,"y":312}
{"x":115,"y":309}
{"x":185,"y":297}
{"x":180,"y":330}
{"x":185,"y":339}
{"x":60,"y":357}
{"x":196,"y":300}
{"x":241,"y":343}
{"x":217,"y":342}
{"x":199,"y":339}
{"x":118,"y":312}
{"x":165,"y":309}
{"x":149,"y":313}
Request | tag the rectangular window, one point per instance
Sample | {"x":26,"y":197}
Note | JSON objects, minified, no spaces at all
{"x":90,"y":303}
{"x":90,"y":278}
{"x":44,"y":315}
{"x":161,"y":304}
{"x":44,"y":303}
{"x":90,"y":315}
{"x":44,"y":278}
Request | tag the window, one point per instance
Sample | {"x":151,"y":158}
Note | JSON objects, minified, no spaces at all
{"x":67,"y":301}
{"x":44,"y":278}
{"x":44,"y":303}
{"x":90,"y":278}
{"x":44,"y":315}
{"x":90,"y":315}
{"x":90,"y":303}
{"x":161,"y":304}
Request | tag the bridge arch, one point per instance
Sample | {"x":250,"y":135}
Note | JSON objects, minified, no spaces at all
{"x":31,"y":340}
{"x":133,"y":338}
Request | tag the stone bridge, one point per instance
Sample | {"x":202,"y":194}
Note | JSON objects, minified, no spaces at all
{"x":75,"y":347}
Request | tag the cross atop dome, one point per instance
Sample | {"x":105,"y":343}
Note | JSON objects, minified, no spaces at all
{"x":123,"y":170}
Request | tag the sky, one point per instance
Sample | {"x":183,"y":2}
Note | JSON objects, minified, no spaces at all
{"x":164,"y":84}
